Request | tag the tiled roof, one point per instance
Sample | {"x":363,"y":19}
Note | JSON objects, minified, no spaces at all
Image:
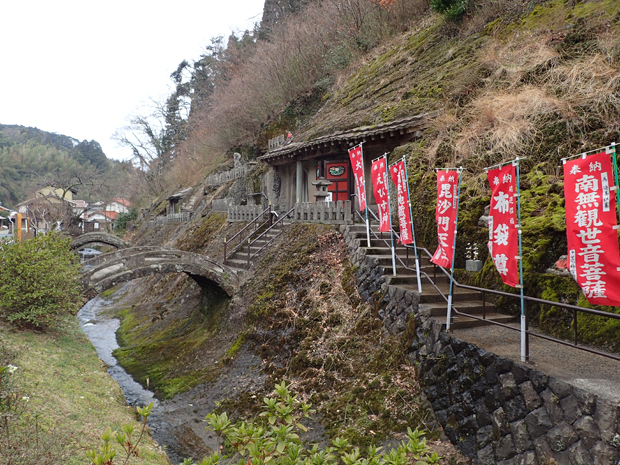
{"x":352,"y":136}
{"x":127,"y":203}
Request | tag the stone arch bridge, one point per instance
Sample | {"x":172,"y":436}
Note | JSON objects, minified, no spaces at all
{"x":108,"y":270}
{"x":98,"y":238}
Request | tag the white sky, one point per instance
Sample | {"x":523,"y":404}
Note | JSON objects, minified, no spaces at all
{"x":81,"y":67}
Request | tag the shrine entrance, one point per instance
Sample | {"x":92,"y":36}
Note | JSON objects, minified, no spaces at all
{"x":339,"y":173}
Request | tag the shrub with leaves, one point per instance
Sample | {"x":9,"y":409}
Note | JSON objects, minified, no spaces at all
{"x":106,"y":453}
{"x":451,"y":9}
{"x":276,"y":440}
{"x":39,"y":279}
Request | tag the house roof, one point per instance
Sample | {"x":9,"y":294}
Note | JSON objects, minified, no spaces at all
{"x":125,"y":202}
{"x":180,"y":194}
{"x":108,"y":214}
{"x":390,"y":134}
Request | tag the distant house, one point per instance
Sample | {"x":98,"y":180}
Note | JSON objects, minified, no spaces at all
{"x":6,"y":225}
{"x":96,"y":220}
{"x":119,"y":205}
{"x":52,"y":193}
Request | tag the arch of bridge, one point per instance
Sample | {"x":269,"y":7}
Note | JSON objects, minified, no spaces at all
{"x":107,"y":270}
{"x":98,"y":238}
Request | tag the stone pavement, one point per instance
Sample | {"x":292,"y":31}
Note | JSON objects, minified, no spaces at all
{"x":593,"y":373}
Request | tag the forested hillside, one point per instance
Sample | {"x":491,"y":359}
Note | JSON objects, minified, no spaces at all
{"x":31,"y":158}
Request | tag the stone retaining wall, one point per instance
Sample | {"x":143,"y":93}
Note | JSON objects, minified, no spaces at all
{"x":495,"y":410}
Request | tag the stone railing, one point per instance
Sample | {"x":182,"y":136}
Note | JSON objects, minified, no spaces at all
{"x":324,"y":212}
{"x":225,"y":176}
{"x":182,"y":217}
{"x":319,"y":212}
{"x":244,"y":213}
{"x":495,"y":410}
{"x":276,"y":142}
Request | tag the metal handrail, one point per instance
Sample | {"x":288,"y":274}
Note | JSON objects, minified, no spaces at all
{"x":574,"y":308}
{"x":284,"y":216}
{"x":253,"y":222}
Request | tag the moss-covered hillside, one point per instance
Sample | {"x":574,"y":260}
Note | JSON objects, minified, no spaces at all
{"x":537,"y":81}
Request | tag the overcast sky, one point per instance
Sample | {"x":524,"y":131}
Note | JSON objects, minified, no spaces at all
{"x":80,"y":67}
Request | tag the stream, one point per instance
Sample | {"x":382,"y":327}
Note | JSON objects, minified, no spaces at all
{"x":101,"y":330}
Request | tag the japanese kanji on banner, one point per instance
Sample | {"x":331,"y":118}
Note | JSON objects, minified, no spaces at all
{"x":445,"y":214}
{"x":593,"y":256}
{"x":379,"y":179}
{"x":357,"y":165}
{"x":503,"y":228}
{"x":399,"y":177}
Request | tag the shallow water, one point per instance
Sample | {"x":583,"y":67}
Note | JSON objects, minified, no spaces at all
{"x":101,"y":330}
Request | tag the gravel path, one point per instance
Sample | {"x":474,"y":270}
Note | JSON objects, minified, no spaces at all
{"x":593,"y":373}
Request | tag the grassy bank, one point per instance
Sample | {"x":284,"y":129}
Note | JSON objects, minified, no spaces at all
{"x":71,"y":399}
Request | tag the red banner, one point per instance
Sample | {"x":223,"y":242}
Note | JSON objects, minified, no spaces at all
{"x":379,"y":180}
{"x":399,"y":177}
{"x":503,"y":228}
{"x":593,"y":255}
{"x":445,"y":214}
{"x":357,"y":165}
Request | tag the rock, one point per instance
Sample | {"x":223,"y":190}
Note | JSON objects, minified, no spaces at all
{"x":552,"y":405}
{"x":606,"y":417}
{"x":505,"y":449}
{"x":602,"y":453}
{"x":509,"y":386}
{"x":538,"y":423}
{"x":499,"y":423}
{"x":560,"y":388}
{"x":515,"y":409}
{"x":543,"y":451}
{"x":486,"y":456}
{"x":588,"y":432}
{"x":579,"y":454}
{"x":570,"y":408}
{"x":561,"y":437}
{"x":520,"y":436}
{"x":530,"y":397}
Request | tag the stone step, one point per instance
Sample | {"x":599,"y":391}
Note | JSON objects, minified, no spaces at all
{"x":237,"y":262}
{"x":471,"y":307}
{"x":405,"y":276}
{"x":463,"y":322}
{"x":430,"y":293}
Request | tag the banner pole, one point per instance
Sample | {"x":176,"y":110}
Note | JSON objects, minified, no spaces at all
{"x":456,"y":221}
{"x":613,"y":152}
{"x":525,"y":352}
{"x":367,"y":227}
{"x":387,"y":187}
{"x":415,"y":246}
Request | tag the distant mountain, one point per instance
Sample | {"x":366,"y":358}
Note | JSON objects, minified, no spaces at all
{"x":31,"y":156}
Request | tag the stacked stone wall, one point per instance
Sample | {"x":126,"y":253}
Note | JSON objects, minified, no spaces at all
{"x":495,"y":410}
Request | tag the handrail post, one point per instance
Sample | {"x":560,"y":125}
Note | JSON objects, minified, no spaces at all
{"x":484,"y":305}
{"x":575,"y":325}
{"x":249,"y":242}
{"x":225,"y":240}
{"x":527,"y":332}
{"x":270,"y":215}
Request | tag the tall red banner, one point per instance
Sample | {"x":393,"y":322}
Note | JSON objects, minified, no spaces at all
{"x":503,"y":228}
{"x":593,"y":255}
{"x":378,"y":173}
{"x":357,"y":165}
{"x":445,"y":214}
{"x":399,"y":177}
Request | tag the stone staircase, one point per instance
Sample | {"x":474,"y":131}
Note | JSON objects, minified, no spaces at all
{"x":239,"y":260}
{"x":464,"y":300}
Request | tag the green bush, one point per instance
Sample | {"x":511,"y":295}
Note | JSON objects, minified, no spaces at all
{"x":451,"y":9}
{"x":275,"y":438}
{"x":39,"y":280}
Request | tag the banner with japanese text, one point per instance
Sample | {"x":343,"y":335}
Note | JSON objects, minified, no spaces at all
{"x":378,"y":174}
{"x":357,"y":165}
{"x":445,"y":215}
{"x":503,"y":228}
{"x":399,"y":177}
{"x":593,"y":255}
